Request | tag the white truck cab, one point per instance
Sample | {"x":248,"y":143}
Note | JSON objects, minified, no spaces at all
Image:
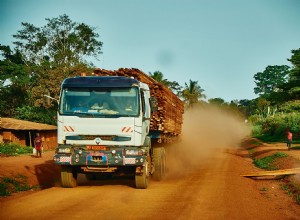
{"x":103,"y":127}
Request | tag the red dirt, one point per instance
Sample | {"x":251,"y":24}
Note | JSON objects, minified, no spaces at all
{"x":195,"y":187}
{"x":203,"y":182}
{"x":40,"y":172}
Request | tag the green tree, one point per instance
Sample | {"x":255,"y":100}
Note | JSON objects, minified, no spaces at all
{"x":173,"y":85}
{"x":290,"y":107}
{"x":158,"y":76}
{"x":55,"y":51}
{"x":36,"y":114}
{"x":61,"y":42}
{"x":270,"y":79}
{"x":217,"y":101}
{"x":15,"y":82}
{"x":247,"y":107}
{"x":42,"y":58}
{"x":263,"y":107}
{"x":192,"y":93}
{"x":48,"y":83}
{"x":292,"y":87}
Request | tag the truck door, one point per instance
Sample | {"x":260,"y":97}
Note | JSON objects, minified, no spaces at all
{"x":146,"y":113}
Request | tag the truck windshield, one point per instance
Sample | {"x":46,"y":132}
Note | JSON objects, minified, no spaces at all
{"x":99,"y":102}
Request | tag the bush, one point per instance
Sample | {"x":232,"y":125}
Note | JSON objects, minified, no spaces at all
{"x":14,"y":149}
{"x":254,"y":119}
{"x":277,"y":125}
{"x":274,"y":125}
{"x":291,"y":106}
{"x":266,"y":162}
{"x":36,"y":114}
{"x":256,"y":130}
{"x":293,"y":122}
{"x":11,"y":185}
{"x":4,"y":189}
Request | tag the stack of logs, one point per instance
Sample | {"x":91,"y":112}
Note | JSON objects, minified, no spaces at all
{"x":168,"y":118}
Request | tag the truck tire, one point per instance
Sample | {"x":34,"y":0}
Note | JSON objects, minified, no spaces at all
{"x":142,"y":179}
{"x":68,"y":177}
{"x":159,"y":162}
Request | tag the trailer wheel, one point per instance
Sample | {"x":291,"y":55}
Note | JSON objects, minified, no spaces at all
{"x":159,"y":161}
{"x":68,"y":176}
{"x":142,"y":178}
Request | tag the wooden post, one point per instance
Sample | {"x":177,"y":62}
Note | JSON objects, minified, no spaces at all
{"x":30,"y":141}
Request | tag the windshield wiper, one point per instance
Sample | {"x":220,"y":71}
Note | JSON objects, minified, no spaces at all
{"x":84,"y":114}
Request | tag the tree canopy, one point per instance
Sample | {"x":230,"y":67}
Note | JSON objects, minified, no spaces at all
{"x":61,"y":42}
{"x":192,"y":93}
{"x":173,"y":85}
{"x":292,"y":87}
{"x":42,"y":58}
{"x":217,"y":101}
{"x":15,"y":82}
{"x":55,"y":51}
{"x":270,"y":79}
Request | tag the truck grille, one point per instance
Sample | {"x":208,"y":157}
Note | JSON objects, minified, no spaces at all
{"x":91,"y":137}
{"x":102,"y":137}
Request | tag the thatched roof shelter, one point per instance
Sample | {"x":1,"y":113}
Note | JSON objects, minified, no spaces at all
{"x":24,"y":132}
{"x":15,"y":124}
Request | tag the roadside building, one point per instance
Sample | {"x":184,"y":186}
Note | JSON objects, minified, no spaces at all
{"x":23,"y":132}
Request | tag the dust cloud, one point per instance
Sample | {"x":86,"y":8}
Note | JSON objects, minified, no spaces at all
{"x":206,"y":132}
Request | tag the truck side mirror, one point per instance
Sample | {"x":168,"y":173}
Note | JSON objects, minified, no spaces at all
{"x":49,"y":97}
{"x":153,"y":104}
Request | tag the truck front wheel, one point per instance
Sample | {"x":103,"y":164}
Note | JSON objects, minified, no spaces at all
{"x":159,"y":161}
{"x":68,"y":176}
{"x":142,"y":177}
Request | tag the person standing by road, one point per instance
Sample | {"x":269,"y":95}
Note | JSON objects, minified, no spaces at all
{"x":38,"y":144}
{"x":289,"y":140}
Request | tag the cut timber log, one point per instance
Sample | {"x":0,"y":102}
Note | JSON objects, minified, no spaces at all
{"x":168,"y":118}
{"x":273,"y":174}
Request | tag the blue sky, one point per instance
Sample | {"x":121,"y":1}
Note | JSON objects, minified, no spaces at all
{"x":219,"y":43}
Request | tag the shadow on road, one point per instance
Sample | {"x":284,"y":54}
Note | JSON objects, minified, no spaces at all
{"x":127,"y":180}
{"x":48,"y":174}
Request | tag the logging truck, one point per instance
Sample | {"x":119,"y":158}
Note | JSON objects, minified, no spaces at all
{"x":114,"y":123}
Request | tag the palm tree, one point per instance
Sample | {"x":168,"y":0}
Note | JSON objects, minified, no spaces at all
{"x":192,"y":93}
{"x":158,"y":76}
{"x":173,"y":85}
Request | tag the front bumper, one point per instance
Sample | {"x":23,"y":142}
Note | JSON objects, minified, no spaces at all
{"x":115,"y":157}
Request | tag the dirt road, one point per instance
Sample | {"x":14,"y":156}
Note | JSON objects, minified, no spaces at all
{"x":213,"y":189}
{"x":203,"y":182}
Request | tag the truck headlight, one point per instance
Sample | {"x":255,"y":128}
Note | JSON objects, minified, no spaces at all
{"x":134,"y":152}
{"x":64,"y":150}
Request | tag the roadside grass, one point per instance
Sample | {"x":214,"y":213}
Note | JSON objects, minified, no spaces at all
{"x":9,"y":185}
{"x":269,"y":138}
{"x":295,"y":147}
{"x":264,"y":189}
{"x":267,"y":162}
{"x":275,"y":138}
{"x":292,"y":188}
{"x":255,"y":142}
{"x":251,"y":143}
{"x":288,"y":184}
{"x":14,"y":149}
{"x":251,"y":152}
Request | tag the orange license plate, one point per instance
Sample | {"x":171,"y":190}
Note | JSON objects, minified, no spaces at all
{"x":96,"y":147}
